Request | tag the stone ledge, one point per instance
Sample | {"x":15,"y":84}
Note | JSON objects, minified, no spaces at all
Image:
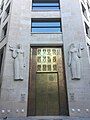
{"x":47,"y":118}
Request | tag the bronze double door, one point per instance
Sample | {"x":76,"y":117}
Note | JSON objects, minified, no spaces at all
{"x":47,"y":88}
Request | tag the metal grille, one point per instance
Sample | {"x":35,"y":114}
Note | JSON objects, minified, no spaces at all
{"x":47,"y":59}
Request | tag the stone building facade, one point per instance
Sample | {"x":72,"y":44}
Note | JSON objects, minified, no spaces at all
{"x":44,"y":58}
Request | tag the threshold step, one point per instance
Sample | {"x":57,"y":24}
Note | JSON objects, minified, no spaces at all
{"x":47,"y":118}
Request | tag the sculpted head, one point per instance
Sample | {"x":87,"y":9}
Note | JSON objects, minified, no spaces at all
{"x":72,"y":46}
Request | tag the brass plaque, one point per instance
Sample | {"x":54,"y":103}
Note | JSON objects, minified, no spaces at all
{"x":47,"y":59}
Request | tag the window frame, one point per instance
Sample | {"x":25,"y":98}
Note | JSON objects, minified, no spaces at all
{"x":45,"y":7}
{"x":1,"y":8}
{"x":87,"y":29}
{"x":84,"y":11}
{"x":47,"y":20}
{"x":7,"y":12}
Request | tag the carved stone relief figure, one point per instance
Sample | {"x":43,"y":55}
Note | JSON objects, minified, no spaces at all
{"x":74,"y":60}
{"x":18,"y":56}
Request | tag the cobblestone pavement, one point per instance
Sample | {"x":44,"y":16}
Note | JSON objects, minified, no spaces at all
{"x":47,"y":118}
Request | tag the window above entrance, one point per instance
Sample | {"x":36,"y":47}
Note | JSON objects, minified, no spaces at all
{"x":45,"y":5}
{"x":46,"y":25}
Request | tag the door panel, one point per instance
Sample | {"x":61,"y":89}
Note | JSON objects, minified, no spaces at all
{"x":41,"y":94}
{"x":47,"y":87}
{"x":53,"y":94}
{"x":47,"y":100}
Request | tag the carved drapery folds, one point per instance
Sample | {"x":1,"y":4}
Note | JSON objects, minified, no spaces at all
{"x":74,"y":55}
{"x":18,"y":56}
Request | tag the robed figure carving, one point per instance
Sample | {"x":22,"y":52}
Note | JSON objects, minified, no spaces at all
{"x":18,"y":55}
{"x":74,"y":61}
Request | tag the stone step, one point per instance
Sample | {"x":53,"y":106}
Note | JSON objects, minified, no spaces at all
{"x":48,"y":118}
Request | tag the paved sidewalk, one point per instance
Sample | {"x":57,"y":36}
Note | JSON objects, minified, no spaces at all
{"x":48,"y":118}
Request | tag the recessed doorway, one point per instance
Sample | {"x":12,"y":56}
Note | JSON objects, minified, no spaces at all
{"x":47,"y":87}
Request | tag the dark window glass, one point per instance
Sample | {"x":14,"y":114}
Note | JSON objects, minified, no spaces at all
{"x":46,"y":25}
{"x":7,"y":12}
{"x":8,"y":9}
{"x":87,"y":30}
{"x":2,"y":7}
{"x":84,"y":11}
{"x":88,"y":49}
{"x":0,"y":21}
{"x":2,"y":4}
